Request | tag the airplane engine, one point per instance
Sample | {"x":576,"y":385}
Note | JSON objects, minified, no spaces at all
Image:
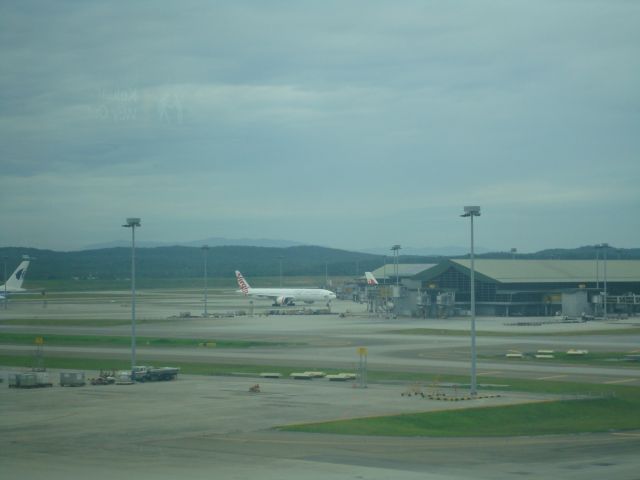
{"x":280,"y":301}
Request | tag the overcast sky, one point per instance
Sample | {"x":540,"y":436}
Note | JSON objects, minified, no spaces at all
{"x":348,"y":124}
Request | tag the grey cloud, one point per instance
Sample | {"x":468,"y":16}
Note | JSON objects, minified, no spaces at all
{"x":311,"y":109}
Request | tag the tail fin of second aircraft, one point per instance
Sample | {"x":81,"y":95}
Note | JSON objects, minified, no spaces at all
{"x":14,"y":282}
{"x":242,"y":283}
{"x":371,"y":280}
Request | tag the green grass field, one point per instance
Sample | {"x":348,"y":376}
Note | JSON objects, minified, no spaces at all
{"x":602,"y":408}
{"x":192,"y":368}
{"x":76,"y":322}
{"x":559,"y":417}
{"x":110,"y":341}
{"x":605,"y":407}
{"x":465,"y":333}
{"x":616,"y":359}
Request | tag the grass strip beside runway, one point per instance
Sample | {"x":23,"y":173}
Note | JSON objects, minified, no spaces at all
{"x":27,"y":360}
{"x":115,"y":341}
{"x":424,"y":381}
{"x":546,"y":418}
{"x":609,"y":359}
{"x":487,"y":333}
{"x":75,"y":322}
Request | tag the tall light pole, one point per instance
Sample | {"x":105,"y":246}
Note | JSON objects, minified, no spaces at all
{"x":605,"y":246}
{"x":395,"y":250}
{"x":598,"y":247}
{"x":473,"y":211}
{"x":132,"y":223}
{"x":4,"y":260}
{"x":205,"y":251}
{"x":513,"y":253}
{"x":326,"y":273}
{"x":384,"y":269}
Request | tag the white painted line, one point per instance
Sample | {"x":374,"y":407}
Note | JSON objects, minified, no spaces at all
{"x":490,"y":373}
{"x":626,"y":380}
{"x":552,"y":376}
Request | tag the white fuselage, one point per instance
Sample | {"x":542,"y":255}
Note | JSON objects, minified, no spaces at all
{"x":285,"y":296}
{"x":288,"y":295}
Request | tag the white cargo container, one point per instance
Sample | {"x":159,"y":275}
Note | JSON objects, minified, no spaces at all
{"x":123,"y":377}
{"x":72,"y":379}
{"x":27,"y":380}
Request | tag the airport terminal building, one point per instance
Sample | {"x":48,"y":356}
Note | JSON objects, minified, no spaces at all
{"x":572,"y":288}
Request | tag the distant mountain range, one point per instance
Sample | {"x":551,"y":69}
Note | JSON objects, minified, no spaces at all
{"x":212,"y":242}
{"x":187,"y":261}
{"x":447,"y":251}
{"x":450,"y":251}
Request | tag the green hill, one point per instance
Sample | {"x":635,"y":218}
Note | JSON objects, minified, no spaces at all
{"x":187,"y":262}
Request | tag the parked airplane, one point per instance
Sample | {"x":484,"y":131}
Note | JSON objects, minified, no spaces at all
{"x":286,"y":296}
{"x":371,"y":280}
{"x":14,"y":282}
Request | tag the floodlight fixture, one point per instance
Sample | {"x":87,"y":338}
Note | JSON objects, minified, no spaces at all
{"x":471,"y":211}
{"x":132,"y":222}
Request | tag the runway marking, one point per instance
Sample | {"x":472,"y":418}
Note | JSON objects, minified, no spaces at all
{"x":634,"y":435}
{"x":490,"y":373}
{"x":397,"y":442}
{"x":434,"y":356}
{"x":626,"y":380}
{"x":552,"y":376}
